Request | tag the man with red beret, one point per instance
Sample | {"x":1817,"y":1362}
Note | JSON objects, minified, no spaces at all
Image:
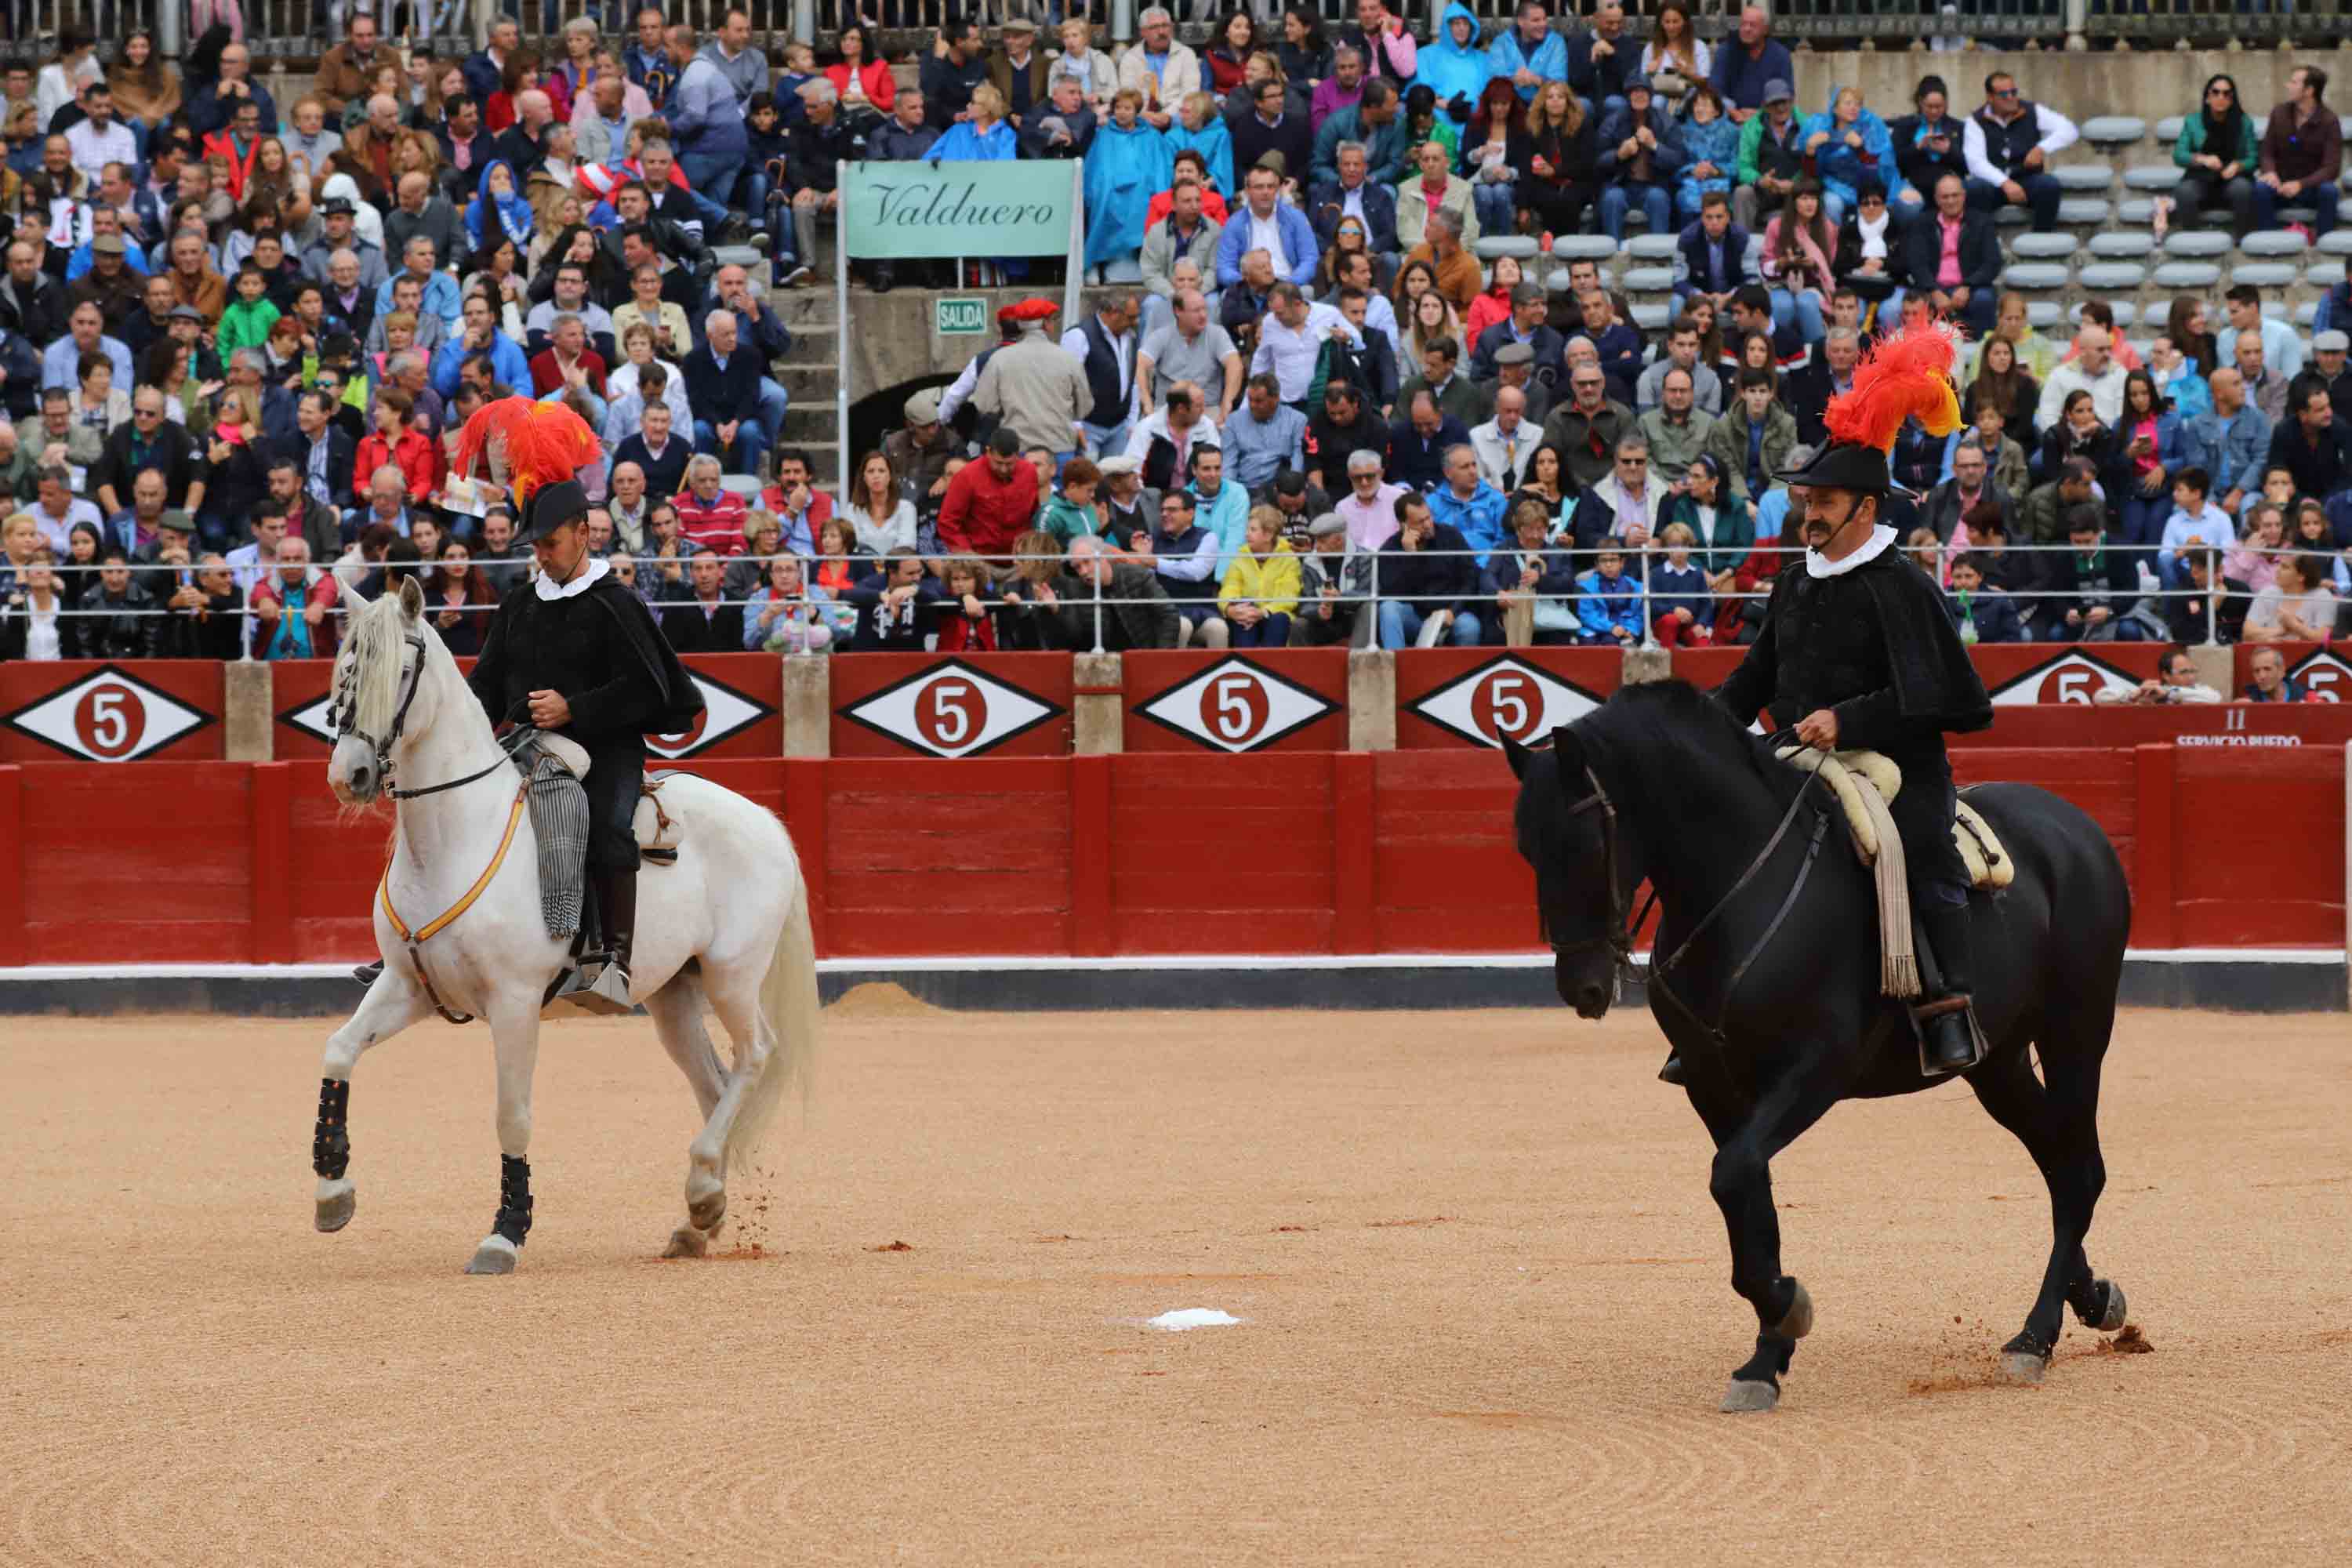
{"x":1035,"y":388}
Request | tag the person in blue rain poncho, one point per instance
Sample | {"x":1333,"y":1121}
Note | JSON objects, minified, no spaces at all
{"x":1125,"y":167}
{"x":1452,"y":65}
{"x":498,"y":191}
{"x":1198,"y":128}
{"x":1849,"y":144}
{"x":985,"y":138}
{"x":1529,"y":48}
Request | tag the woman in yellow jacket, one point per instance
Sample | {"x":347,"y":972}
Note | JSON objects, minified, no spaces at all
{"x":1261,"y":587}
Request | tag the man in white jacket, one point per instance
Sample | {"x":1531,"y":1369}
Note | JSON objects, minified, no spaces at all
{"x":1159,"y":67}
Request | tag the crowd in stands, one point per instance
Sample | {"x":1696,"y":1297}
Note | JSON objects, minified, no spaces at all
{"x":1336,"y":382}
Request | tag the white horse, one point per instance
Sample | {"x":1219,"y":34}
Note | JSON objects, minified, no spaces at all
{"x":457,"y":921}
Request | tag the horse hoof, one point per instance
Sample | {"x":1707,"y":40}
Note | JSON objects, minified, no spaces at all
{"x":707,"y":1211}
{"x":2112,"y":1318}
{"x":1799,"y":1320}
{"x":1746,"y":1398}
{"x":2023,"y":1368}
{"x":335,"y":1210}
{"x":495,"y":1256}
{"x":686,"y":1242}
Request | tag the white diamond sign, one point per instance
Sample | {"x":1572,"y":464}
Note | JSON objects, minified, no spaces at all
{"x":1235,"y":706}
{"x":2323,"y":678}
{"x":107,"y":716}
{"x":950,"y":709}
{"x":312,"y":718}
{"x":1506,"y":695}
{"x":725,"y":710}
{"x":2076,"y":678}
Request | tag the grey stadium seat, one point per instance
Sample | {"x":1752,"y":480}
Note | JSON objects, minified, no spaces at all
{"x":2126,"y":313}
{"x":2306,"y":313}
{"x":2112,"y":277}
{"x":2135,"y":210}
{"x":2196,"y":244}
{"x":1568,"y":248}
{"x":2008,"y":216}
{"x":2044,"y":246}
{"x":2122,"y":245}
{"x":2091,"y":177}
{"x":2187,"y":275}
{"x":2324,"y":274}
{"x":2151,"y":177}
{"x":2336,"y":242}
{"x":1127,"y":269}
{"x":2035,"y":275}
{"x":1517,"y":245}
{"x":1652,"y":317}
{"x":2113,"y":132}
{"x":2043,"y":314}
{"x":2083,"y":210}
{"x":2274,"y":311}
{"x":2266,"y":274}
{"x":746,"y":257}
{"x":1653,"y":246}
{"x":2168,"y":130}
{"x":1648,"y":279}
{"x":2274,"y":243}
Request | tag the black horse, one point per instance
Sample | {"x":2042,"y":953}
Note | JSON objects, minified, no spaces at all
{"x":1765,"y":973}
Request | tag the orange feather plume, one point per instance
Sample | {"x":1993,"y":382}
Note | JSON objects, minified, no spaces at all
{"x":525,"y":444}
{"x":1906,"y":376}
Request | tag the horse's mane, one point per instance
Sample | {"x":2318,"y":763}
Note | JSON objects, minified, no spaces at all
{"x":371,"y":662}
{"x":1673,"y":725}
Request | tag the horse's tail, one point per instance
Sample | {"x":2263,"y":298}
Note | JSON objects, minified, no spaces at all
{"x":786,"y":1024}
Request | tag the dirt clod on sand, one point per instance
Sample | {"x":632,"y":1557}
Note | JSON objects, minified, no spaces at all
{"x":891,"y":1246}
{"x":2130,"y":1341}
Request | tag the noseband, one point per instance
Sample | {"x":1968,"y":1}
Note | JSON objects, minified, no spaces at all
{"x":346,"y":706}
{"x":1617,"y":936}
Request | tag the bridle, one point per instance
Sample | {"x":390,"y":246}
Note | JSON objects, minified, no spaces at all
{"x":346,"y":705}
{"x":1618,"y":936}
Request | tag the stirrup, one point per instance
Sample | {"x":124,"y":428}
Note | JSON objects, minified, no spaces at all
{"x":1673,"y":1072}
{"x":597,"y":986}
{"x":370,"y":973}
{"x":1926,"y":1012}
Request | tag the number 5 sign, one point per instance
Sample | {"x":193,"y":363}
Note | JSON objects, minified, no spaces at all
{"x":1505,"y":697}
{"x":109,"y":715}
{"x":1234,"y":705}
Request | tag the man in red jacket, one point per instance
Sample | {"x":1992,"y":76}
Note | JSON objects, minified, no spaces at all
{"x":989,"y":502}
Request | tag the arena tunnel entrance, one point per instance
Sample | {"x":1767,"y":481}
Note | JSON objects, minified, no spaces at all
{"x":877,"y":414}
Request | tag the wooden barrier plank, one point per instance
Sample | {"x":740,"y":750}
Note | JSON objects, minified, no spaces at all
{"x":1216,"y":854}
{"x":804,"y":819}
{"x":948,"y":857}
{"x":1091,"y":844}
{"x":137,"y":865}
{"x":2155,"y":844}
{"x":12,"y":864}
{"x":1354,"y":927}
{"x":2261,"y":837}
{"x":270,"y":812}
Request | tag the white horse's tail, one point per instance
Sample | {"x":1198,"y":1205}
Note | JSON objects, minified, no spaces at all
{"x":789,"y":1008}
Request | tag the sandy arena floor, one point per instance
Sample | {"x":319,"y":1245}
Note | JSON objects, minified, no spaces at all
{"x":1485,"y":1292}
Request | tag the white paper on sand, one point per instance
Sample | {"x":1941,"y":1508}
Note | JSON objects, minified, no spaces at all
{"x":1184,"y":1318}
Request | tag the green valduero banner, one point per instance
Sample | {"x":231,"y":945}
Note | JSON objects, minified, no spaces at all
{"x":891,"y":211}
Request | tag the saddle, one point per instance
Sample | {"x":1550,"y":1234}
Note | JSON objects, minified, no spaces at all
{"x":656,"y":830}
{"x":1848,"y":774}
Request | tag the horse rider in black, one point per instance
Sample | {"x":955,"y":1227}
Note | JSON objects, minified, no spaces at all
{"x":1859,"y":653}
{"x":579,"y":654}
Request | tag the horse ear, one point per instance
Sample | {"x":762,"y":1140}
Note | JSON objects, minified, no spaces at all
{"x":1516,"y":755}
{"x":1569,"y":747}
{"x":412,"y":599}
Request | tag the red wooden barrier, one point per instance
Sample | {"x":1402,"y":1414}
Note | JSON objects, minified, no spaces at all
{"x":1180,"y":853}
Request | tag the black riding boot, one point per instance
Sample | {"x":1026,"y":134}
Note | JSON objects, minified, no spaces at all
{"x":1949,"y":1042}
{"x":1673,"y":1071}
{"x":616,"y":906}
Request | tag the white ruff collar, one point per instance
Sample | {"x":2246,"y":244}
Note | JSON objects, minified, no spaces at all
{"x":1881,"y":538}
{"x":598,"y":567}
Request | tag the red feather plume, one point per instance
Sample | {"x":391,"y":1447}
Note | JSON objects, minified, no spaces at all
{"x":1906,"y":376}
{"x":534,"y":443}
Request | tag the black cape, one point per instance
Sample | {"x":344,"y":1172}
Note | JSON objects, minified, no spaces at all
{"x":600,"y":650}
{"x":1876,"y":645}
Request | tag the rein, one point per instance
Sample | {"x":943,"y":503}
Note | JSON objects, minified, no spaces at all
{"x":1620,"y":931}
{"x":346,"y":707}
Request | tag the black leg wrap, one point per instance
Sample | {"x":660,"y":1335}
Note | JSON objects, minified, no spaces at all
{"x":330,"y":1144}
{"x":1771,"y":1360}
{"x":514,"y":1199}
{"x":2027,"y":1342}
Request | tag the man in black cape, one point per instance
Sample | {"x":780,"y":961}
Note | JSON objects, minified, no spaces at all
{"x":1857,"y":652}
{"x":578,"y":653}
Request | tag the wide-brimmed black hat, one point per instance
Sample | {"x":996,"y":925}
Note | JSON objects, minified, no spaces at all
{"x":550,"y":508}
{"x":1845,"y":466}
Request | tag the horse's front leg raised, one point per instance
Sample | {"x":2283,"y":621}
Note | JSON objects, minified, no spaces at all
{"x":1741,"y":1184}
{"x":514,"y":1026}
{"x":391,"y":1005}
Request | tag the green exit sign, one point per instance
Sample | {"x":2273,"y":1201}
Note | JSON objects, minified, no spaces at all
{"x":959,"y":316}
